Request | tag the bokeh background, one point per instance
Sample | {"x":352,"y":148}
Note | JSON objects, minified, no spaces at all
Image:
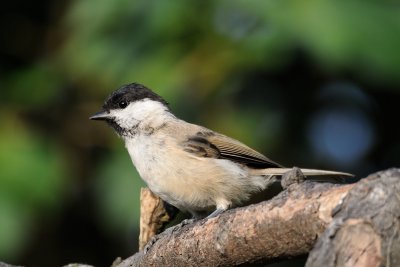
{"x":308,"y":83}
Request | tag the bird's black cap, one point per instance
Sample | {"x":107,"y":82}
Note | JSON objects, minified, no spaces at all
{"x":131,"y":93}
{"x":121,"y":98}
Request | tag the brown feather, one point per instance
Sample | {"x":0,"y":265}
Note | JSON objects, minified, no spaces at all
{"x":209,"y":144}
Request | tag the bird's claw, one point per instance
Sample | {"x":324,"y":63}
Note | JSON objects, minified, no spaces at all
{"x":168,"y":231}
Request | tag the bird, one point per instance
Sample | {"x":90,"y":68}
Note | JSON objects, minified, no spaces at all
{"x":195,"y":169}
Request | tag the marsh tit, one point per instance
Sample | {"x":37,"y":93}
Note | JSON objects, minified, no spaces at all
{"x":189,"y":166}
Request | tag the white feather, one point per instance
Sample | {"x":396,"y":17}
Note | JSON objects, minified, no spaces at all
{"x":146,"y":110}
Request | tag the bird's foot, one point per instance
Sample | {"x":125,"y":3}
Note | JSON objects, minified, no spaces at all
{"x":169,"y":231}
{"x":186,"y":222}
{"x":215,"y":213}
{"x":150,"y":244}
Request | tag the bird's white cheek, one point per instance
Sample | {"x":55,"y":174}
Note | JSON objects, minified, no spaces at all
{"x":126,"y":119}
{"x":145,"y":112}
{"x":144,"y":109}
{"x":128,"y":123}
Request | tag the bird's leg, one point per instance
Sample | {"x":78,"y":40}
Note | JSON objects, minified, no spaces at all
{"x":215,"y":213}
{"x":221,"y":205}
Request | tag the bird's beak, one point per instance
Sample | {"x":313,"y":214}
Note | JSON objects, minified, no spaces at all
{"x":101,"y":115}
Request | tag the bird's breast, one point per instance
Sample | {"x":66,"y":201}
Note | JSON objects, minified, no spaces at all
{"x":171,"y":173}
{"x":147,"y":155}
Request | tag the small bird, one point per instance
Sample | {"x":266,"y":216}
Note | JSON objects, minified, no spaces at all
{"x":189,"y":166}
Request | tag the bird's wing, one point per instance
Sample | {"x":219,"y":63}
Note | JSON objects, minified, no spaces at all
{"x":210,"y":144}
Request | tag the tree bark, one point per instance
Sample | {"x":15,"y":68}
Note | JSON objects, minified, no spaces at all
{"x":152,"y":216}
{"x":365,"y":230}
{"x":361,"y":221}
{"x":284,"y":227}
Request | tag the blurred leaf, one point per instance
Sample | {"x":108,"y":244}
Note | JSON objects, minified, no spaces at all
{"x":31,"y":86}
{"x":358,"y":35}
{"x":173,"y":45}
{"x":31,"y":182}
{"x":15,"y":227}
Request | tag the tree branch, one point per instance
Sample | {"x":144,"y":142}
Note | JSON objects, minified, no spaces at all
{"x":284,"y":227}
{"x":358,"y":225}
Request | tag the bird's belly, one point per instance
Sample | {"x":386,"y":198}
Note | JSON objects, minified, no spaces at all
{"x":185,"y":181}
{"x":176,"y":179}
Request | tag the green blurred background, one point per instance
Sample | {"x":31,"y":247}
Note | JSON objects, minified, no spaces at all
{"x":308,"y":83}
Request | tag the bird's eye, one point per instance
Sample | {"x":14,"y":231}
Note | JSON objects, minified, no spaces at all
{"x":123,"y":104}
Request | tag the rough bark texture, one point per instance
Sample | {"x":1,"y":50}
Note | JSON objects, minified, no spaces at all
{"x":365,"y":229}
{"x":284,"y":227}
{"x":152,"y":216}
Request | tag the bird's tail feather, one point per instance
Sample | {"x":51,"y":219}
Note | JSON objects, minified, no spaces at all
{"x":315,"y":175}
{"x":306,"y":172}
